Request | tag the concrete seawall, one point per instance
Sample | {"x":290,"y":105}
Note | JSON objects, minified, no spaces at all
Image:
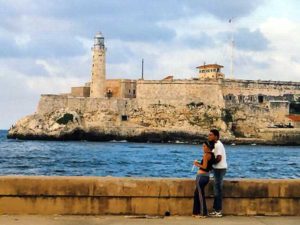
{"x":152,"y":196}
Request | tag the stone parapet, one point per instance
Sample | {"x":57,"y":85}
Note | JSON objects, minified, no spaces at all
{"x":281,"y":136}
{"x":153,"y":196}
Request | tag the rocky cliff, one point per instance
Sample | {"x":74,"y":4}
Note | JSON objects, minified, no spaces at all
{"x":171,"y":111}
{"x":124,"y":120}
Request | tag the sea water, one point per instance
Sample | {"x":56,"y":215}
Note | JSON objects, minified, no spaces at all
{"x":81,"y":158}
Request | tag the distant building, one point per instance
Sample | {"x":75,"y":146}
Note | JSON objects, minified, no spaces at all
{"x":100,"y":87}
{"x":243,"y":108}
{"x":210,"y":71}
{"x":98,"y":68}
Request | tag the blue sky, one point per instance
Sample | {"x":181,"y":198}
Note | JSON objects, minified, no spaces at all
{"x":46,"y":45}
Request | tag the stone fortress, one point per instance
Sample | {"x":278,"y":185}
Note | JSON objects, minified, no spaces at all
{"x":167,"y":110}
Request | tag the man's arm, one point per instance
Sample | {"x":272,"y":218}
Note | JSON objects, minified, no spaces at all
{"x":218,"y":158}
{"x":217,"y":153}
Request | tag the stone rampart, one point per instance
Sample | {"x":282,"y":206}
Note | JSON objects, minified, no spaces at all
{"x":179,"y":92}
{"x":50,"y":103}
{"x":281,"y":136}
{"x":257,"y":87}
{"x":152,"y":196}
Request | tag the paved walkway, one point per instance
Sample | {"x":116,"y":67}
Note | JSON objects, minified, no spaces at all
{"x":122,"y":220}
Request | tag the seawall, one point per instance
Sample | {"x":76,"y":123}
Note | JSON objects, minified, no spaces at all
{"x":151,"y":196}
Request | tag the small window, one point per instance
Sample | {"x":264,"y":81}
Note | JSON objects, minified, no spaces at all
{"x":241,"y":99}
{"x":129,"y":90}
{"x":124,"y":117}
{"x":260,"y":99}
{"x":134,"y":92}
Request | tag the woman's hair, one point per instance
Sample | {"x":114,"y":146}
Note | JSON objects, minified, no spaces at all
{"x":209,"y":145}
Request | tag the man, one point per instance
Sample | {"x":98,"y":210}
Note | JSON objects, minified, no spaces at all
{"x":219,"y":171}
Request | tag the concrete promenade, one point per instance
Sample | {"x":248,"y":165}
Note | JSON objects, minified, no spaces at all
{"x":121,"y":220}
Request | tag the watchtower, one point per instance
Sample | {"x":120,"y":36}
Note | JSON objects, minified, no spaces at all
{"x":98,"y":68}
{"x":210,"y":71}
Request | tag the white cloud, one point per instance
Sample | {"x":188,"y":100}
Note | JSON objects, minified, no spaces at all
{"x":283,"y":33}
{"x":196,"y":25}
{"x":22,"y":40}
{"x":46,"y":46}
{"x":19,"y":94}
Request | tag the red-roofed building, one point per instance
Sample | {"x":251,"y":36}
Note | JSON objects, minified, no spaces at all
{"x":295,"y":118}
{"x":168,"y":78}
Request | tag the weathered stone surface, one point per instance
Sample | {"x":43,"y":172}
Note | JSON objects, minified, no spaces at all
{"x":170,"y":111}
{"x":154,"y":196}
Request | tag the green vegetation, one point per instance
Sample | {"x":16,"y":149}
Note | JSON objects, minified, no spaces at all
{"x":65,"y":119}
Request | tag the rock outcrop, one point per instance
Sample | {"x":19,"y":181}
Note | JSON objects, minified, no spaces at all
{"x":172,"y":111}
{"x":155,"y":123}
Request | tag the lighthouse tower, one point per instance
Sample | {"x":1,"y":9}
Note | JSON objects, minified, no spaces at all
{"x":98,"y":68}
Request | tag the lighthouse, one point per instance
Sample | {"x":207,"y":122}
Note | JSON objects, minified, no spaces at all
{"x":97,"y":89}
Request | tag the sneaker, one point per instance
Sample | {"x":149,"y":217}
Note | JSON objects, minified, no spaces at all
{"x":200,"y":216}
{"x":212,"y":213}
{"x":215,"y":214}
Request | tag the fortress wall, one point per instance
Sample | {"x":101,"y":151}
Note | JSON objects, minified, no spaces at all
{"x":252,"y":87}
{"x":92,"y":104}
{"x":258,"y":104}
{"x":150,"y":196}
{"x":114,"y":86}
{"x":50,"y":103}
{"x":281,"y":135}
{"x":80,"y":91}
{"x":179,"y":92}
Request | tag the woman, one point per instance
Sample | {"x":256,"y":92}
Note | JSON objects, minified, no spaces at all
{"x":202,"y":179}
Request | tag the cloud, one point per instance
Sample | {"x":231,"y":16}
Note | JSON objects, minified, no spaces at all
{"x":202,"y":40}
{"x":250,"y":40}
{"x":43,"y":45}
{"x":227,"y":9}
{"x":127,"y":20}
{"x":19,"y":94}
{"x":46,"y":45}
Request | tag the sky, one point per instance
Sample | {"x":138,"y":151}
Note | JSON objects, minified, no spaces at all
{"x":46,"y":45}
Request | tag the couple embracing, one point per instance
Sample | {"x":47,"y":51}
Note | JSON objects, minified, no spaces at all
{"x":214,"y":159}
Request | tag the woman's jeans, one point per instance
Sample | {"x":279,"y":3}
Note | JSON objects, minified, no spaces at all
{"x":199,"y":195}
{"x":218,"y":188}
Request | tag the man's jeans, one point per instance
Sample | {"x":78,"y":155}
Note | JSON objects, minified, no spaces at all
{"x":218,"y":187}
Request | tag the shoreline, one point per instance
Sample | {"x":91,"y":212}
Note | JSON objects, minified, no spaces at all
{"x":153,"y":137}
